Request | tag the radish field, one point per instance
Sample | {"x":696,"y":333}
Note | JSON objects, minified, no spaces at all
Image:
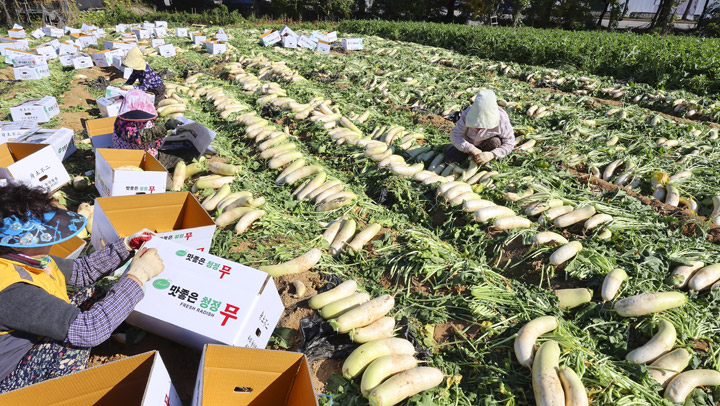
{"x":607,"y":178}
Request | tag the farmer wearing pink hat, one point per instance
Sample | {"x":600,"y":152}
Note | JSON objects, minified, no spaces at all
{"x":483,"y":131}
{"x":135,"y":127}
{"x":45,"y":331}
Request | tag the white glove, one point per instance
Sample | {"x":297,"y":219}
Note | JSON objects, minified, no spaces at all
{"x":133,"y":242}
{"x":485,"y":157}
{"x":146,"y":265}
{"x":127,"y":87}
{"x":473,"y":150}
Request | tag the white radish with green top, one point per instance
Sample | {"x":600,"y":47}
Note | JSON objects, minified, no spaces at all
{"x":682,"y":273}
{"x":683,"y":384}
{"x":384,"y":367}
{"x":364,"y":315}
{"x":340,"y":291}
{"x":365,"y":354}
{"x":648,"y":303}
{"x":569,"y":298}
{"x":302,"y":263}
{"x":546,"y":384}
{"x":404,"y":385}
{"x":381,"y":328}
{"x":659,"y":344}
{"x":338,"y":307}
{"x":611,"y":284}
{"x":575,"y":392}
{"x":665,"y":368}
{"x":565,"y":253}
{"x":705,"y":277}
{"x":528,"y":335}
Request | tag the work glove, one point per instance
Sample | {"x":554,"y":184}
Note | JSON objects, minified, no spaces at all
{"x":146,"y":265}
{"x":127,"y":87}
{"x":483,"y":158}
{"x":135,"y":241}
{"x":172,"y":123}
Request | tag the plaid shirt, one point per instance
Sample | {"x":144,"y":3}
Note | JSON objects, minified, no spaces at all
{"x":95,"y":325}
{"x":148,"y":79}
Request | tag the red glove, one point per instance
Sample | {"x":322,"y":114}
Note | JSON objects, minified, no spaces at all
{"x":136,"y":240}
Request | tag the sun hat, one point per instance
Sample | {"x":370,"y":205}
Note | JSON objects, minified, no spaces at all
{"x":137,"y":106}
{"x":134,"y":59}
{"x":54,"y":227}
{"x":484,"y":111}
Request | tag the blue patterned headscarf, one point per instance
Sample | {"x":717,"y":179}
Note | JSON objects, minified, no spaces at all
{"x":54,"y":227}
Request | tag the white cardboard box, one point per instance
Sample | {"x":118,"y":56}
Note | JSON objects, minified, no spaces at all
{"x":148,"y":26}
{"x":141,"y":380}
{"x":177,"y":216}
{"x":270,"y":38}
{"x":31,"y":72}
{"x":109,"y":106}
{"x":121,"y":28}
{"x":221,"y":37}
{"x":287,"y":32}
{"x":307,"y":42}
{"x":11,"y":130}
{"x":331,"y":36}
{"x":124,"y":70}
{"x":38,"y":33}
{"x":38,"y":110}
{"x":352,"y":44}
{"x":104,"y":59}
{"x":161,"y":24}
{"x":46,"y":51}
{"x":215,"y":48}
{"x":68,"y":49}
{"x":82,"y":62}
{"x":111,"y":181}
{"x":289,"y":42}
{"x":199,"y":39}
{"x":20,"y":46}
{"x":159,"y":32}
{"x":142,"y":33}
{"x":181,"y":32}
{"x":323,"y":47}
{"x":62,"y":140}
{"x":203,"y":299}
{"x":318,"y":36}
{"x":156,"y":42}
{"x":17,"y":57}
{"x":53,"y":31}
{"x":32,"y":164}
{"x":167,"y":50}
{"x":66,"y":59}
{"x":16,"y":33}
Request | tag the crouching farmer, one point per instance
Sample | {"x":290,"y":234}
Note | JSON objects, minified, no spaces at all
{"x":44,"y":331}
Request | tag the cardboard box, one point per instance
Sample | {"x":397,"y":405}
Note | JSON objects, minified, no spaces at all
{"x":69,"y":249}
{"x":111,"y":181}
{"x":215,"y":48}
{"x":38,"y":33}
{"x":67,"y":59}
{"x":38,"y":110}
{"x":159,"y":32}
{"x":289,"y":42}
{"x":352,"y":44}
{"x":118,"y":64}
{"x":124,"y":45}
{"x":270,"y":38}
{"x":307,"y":42}
{"x":100,"y":132}
{"x":161,"y":24}
{"x":331,"y":36}
{"x":203,"y":299}
{"x":31,"y":72}
{"x":157,"y":42}
{"x":84,"y":39}
{"x":17,"y":57}
{"x":199,"y":39}
{"x":141,"y":33}
{"x":62,"y":140}
{"x":53,"y":31}
{"x":277,"y":378}
{"x":189,"y":135}
{"x":16,"y":33}
{"x":175,"y":215}
{"x":82,"y":62}
{"x":287,"y":32}
{"x":20,"y":46}
{"x":46,"y":51}
{"x":11,"y":130}
{"x":104,"y":58}
{"x":32,"y":164}
{"x":140,"y":380}
{"x":318,"y":36}
{"x":109,"y":107}
{"x":181,"y":32}
{"x":167,"y":50}
{"x":323,"y":47}
{"x":221,"y":37}
{"x":69,"y":49}
{"x":148,"y":26}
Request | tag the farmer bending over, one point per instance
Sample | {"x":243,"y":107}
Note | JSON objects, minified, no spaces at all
{"x":148,"y":80}
{"x":483,"y":131}
{"x":44,"y":331}
{"x":135,"y":127}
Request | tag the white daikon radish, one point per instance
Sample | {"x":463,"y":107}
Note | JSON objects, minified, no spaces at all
{"x":658,"y":345}
{"x":528,"y":335}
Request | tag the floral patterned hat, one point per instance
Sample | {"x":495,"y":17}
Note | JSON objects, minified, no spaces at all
{"x":54,"y":227}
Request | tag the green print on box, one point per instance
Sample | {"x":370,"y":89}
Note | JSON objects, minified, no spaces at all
{"x":161,"y":284}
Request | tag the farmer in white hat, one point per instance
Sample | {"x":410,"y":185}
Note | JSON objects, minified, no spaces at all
{"x":148,"y":80}
{"x":483,"y":131}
